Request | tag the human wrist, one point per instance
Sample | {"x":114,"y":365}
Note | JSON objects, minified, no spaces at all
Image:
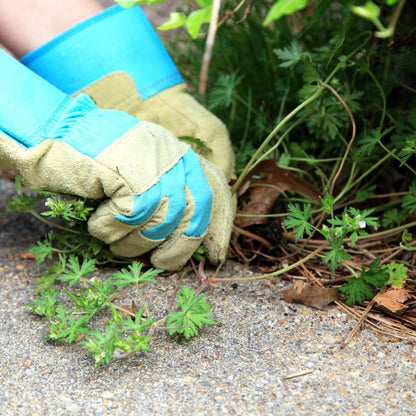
{"x":28,"y":24}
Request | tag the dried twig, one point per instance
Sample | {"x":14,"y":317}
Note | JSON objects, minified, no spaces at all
{"x":298,"y":374}
{"x":209,"y":46}
{"x":358,"y":324}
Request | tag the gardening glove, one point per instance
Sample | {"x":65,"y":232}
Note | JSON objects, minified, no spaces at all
{"x":157,"y":193}
{"x":117,"y":58}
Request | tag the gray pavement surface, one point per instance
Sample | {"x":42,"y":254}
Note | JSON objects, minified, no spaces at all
{"x":238,"y":368}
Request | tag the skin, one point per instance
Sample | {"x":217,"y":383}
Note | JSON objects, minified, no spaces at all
{"x":28,"y":24}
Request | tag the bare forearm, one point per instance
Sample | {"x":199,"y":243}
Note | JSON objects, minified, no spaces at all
{"x":27,"y":24}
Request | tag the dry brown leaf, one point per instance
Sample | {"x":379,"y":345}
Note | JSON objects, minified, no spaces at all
{"x":314,"y":296}
{"x":264,"y":192}
{"x":393,"y":300}
{"x":129,"y":311}
{"x":27,"y":255}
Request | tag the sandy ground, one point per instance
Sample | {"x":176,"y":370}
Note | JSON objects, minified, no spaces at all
{"x":265,"y":357}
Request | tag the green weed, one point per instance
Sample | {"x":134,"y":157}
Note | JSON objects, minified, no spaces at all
{"x":325,"y":89}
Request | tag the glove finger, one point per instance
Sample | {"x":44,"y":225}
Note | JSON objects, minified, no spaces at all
{"x":146,"y":205}
{"x":188,"y":235}
{"x":175,"y":251}
{"x":217,"y":237}
{"x":134,"y":244}
{"x":124,"y":239}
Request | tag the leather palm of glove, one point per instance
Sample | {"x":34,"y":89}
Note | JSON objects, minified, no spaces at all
{"x":116,"y":58}
{"x":157,"y":193}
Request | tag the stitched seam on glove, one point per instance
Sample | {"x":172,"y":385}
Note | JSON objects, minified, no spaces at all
{"x":60,"y":124}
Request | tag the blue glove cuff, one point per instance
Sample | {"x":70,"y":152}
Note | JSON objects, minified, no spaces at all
{"x":116,"y":39}
{"x":32,"y":110}
{"x":26,"y":100}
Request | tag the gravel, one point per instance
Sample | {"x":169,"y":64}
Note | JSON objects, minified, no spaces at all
{"x":264,"y":357}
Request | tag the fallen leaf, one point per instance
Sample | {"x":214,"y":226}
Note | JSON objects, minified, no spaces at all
{"x":129,"y":311}
{"x":264,"y":191}
{"x":27,"y":255}
{"x":393,"y":299}
{"x":314,"y":296}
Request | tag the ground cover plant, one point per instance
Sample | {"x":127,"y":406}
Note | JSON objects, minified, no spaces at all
{"x":320,"y":102}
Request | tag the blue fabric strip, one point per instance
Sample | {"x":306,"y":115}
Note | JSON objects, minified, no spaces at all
{"x":26,"y":100}
{"x":186,"y":173}
{"x":202,"y":194}
{"x":171,"y":185}
{"x":85,"y":127}
{"x":116,"y":39}
{"x":32,"y":110}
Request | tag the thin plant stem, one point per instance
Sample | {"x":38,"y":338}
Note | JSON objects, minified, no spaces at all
{"x":209,"y":46}
{"x":383,"y":96}
{"x":253,"y":159}
{"x":142,"y":299}
{"x":392,"y":154}
{"x":50,"y":223}
{"x":341,"y":166}
{"x":367,"y":172}
{"x":269,"y":275}
{"x":396,"y":15}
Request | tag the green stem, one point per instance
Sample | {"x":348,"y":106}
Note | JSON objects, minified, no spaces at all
{"x":388,"y":232}
{"x":392,"y":154}
{"x":383,"y":96}
{"x":406,"y":87}
{"x":347,"y":185}
{"x":142,"y":299}
{"x":396,"y":15}
{"x":366,"y":173}
{"x":277,"y":144}
{"x":269,"y":275}
{"x":348,"y":57}
{"x":50,"y":223}
{"x":252,"y":161}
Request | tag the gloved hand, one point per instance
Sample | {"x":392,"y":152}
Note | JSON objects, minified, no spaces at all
{"x":158,"y":194}
{"x":117,"y":58}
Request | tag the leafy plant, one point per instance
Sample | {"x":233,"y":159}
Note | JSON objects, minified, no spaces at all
{"x":80,"y":307}
{"x":311,"y":85}
{"x":125,"y":330}
{"x":362,"y":287}
{"x":194,"y":311}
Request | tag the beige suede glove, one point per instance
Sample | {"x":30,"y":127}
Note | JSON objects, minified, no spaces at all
{"x":157,"y":195}
{"x":117,"y":58}
{"x":173,"y":108}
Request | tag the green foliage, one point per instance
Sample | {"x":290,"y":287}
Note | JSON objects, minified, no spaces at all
{"x":406,"y":241}
{"x":360,"y":288}
{"x":284,"y":8}
{"x":126,"y":277}
{"x":351,"y":224}
{"x":368,"y":143}
{"x":71,"y":294}
{"x":70,"y":312}
{"x":409,"y":200}
{"x":298,"y":219}
{"x":194,"y":311}
{"x":74,"y":271}
{"x":371,"y":12}
{"x":291,"y":55}
{"x":67,"y":209}
{"x":397,"y":275}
